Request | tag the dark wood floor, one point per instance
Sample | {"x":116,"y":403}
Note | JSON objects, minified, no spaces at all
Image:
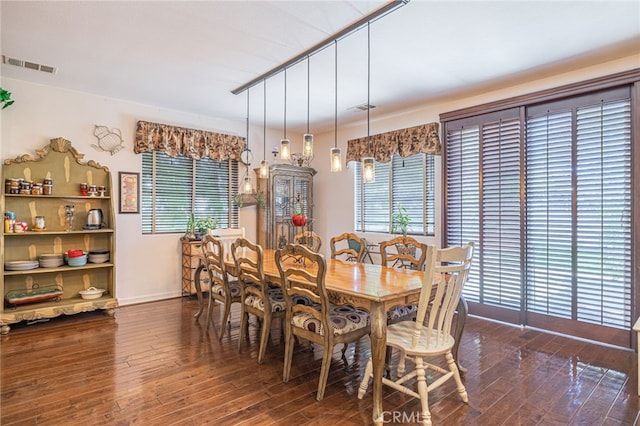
{"x":153,"y":365}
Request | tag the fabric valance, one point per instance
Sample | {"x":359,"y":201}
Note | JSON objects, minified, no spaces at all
{"x":404,"y":142}
{"x":174,"y":141}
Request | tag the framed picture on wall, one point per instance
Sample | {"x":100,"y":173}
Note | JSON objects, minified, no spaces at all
{"x":129,"y":192}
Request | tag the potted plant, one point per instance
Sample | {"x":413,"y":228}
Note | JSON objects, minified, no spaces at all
{"x":5,"y":98}
{"x":204,"y":225}
{"x":400,"y":221}
{"x":297,"y":218}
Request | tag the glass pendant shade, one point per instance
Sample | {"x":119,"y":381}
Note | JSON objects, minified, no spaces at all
{"x":264,"y":169}
{"x":247,"y":187}
{"x":285,"y":149}
{"x":368,"y":170}
{"x":307,"y":145}
{"x":336,"y":160}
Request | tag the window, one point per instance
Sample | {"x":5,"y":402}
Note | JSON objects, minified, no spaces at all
{"x":545,"y":190}
{"x":173,"y":187}
{"x":407,"y":181}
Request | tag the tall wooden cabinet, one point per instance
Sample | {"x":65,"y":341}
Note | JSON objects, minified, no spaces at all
{"x":286,"y":186}
{"x":61,"y":163}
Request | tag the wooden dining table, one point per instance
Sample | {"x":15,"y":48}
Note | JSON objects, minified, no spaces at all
{"x":374,"y":288}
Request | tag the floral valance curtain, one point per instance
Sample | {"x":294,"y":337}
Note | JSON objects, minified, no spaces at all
{"x":405,"y":142}
{"x":174,"y":141}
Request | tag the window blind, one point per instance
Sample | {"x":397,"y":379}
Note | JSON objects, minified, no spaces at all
{"x":173,"y":187}
{"x":406,"y":181}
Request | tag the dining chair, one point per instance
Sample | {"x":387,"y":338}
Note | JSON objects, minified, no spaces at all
{"x":403,"y":252}
{"x":348,"y":244}
{"x":430,"y":335}
{"x":258,"y":298}
{"x":222,"y":289}
{"x":309,"y":239}
{"x":226,"y":237}
{"x":322,"y":323}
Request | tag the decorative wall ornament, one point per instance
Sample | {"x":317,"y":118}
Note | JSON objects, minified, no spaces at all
{"x":192,"y":143}
{"x":109,"y":140}
{"x":404,"y":142}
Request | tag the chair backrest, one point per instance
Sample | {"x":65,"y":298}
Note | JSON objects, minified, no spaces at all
{"x":403,"y":252}
{"x":248,"y":258}
{"x":302,"y":274}
{"x":448,"y":270}
{"x":354,"y":249}
{"x":309,"y":239}
{"x":213,"y":251}
{"x":226,"y":237}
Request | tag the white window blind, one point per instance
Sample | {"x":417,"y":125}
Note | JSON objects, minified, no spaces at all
{"x":406,"y":181}
{"x":173,"y":187}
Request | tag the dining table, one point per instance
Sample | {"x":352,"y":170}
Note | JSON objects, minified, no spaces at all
{"x":374,"y":288}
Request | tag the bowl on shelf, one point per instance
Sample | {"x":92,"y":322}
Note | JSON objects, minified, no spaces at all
{"x":92,"y":293}
{"x":51,"y":260}
{"x":99,"y":256}
{"x":75,"y":260}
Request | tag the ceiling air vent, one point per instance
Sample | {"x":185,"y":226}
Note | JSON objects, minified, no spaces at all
{"x":361,"y":107}
{"x":30,"y":65}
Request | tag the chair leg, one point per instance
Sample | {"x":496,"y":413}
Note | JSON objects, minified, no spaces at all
{"x":401,"y":363}
{"x":225,"y":319}
{"x":244,"y":321}
{"x":324,"y":370}
{"x":264,"y":339}
{"x":289,"y":343}
{"x":365,"y":379}
{"x":345,"y":346}
{"x":212,"y":301}
{"x":423,"y":392}
{"x":456,"y":376}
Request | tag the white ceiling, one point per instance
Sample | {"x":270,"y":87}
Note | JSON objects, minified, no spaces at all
{"x":189,"y":56}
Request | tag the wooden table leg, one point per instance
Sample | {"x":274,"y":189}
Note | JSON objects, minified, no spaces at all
{"x":196,"y":282}
{"x":378,"y":350}
{"x":463,"y":313}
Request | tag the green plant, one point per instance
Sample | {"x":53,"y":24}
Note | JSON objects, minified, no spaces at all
{"x":400,"y":221}
{"x":249,"y":199}
{"x":204,"y":224}
{"x":5,"y":98}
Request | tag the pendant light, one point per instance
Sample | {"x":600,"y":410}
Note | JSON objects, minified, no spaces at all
{"x":264,"y":164}
{"x":336,"y":153}
{"x":247,"y":187}
{"x":307,"y":138}
{"x":368,"y":167}
{"x":285,"y":144}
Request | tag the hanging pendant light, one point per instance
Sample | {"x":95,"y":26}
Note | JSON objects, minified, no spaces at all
{"x":307,"y":138}
{"x":336,"y":153}
{"x":264,"y":164}
{"x":368,"y":167}
{"x":285,"y":144}
{"x":247,"y":187}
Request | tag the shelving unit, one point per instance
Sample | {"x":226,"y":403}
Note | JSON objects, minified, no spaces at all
{"x":285,"y":183}
{"x":60,"y":162}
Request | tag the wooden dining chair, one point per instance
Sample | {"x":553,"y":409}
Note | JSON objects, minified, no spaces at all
{"x":309,"y":239}
{"x":430,"y":335}
{"x":321,"y":323}
{"x":403,"y":252}
{"x":258,"y":298}
{"x":349,"y":245}
{"x":222,"y":290}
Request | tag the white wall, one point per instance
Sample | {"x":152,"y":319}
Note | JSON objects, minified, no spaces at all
{"x":148,"y":266}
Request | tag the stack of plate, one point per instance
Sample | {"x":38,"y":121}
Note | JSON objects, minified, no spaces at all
{"x":100,"y":256}
{"x":74,"y":259}
{"x":51,"y":260}
{"x":21,"y":265}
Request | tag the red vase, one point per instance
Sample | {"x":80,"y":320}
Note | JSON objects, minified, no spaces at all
{"x":298,"y":220}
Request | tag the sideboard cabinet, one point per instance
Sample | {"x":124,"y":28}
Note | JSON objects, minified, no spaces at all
{"x":192,"y":257}
{"x":286,"y":187}
{"x":35,"y":293}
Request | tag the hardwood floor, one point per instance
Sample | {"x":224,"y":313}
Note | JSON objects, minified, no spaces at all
{"x":153,"y":365}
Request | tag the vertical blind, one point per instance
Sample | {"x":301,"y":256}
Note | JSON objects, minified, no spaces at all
{"x":174,"y":187}
{"x":545,"y":191}
{"x":408,"y":182}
